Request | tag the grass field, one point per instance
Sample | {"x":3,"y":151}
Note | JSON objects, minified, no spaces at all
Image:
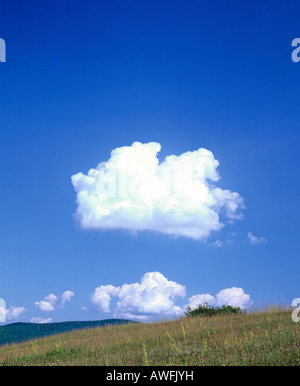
{"x":268,"y":338}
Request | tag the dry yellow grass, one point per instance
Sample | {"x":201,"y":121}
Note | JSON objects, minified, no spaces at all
{"x":264,"y":338}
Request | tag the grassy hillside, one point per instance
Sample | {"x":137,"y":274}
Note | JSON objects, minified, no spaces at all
{"x":266,"y":338}
{"x":19,"y":332}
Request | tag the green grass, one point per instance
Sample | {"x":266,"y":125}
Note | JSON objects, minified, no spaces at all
{"x":267,"y":338}
{"x":206,"y":310}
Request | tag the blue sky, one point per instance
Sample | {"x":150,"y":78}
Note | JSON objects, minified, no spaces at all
{"x":84,"y":78}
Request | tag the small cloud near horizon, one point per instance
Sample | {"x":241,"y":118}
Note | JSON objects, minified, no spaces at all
{"x":40,"y":320}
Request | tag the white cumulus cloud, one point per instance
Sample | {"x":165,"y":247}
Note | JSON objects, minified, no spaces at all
{"x":51,"y":301}
{"x":195,"y":300}
{"x":256,"y":240}
{"x":51,"y":298}
{"x":134,"y":191}
{"x":44,"y":306}
{"x":102,"y":295}
{"x":66,"y":297}
{"x":14,"y":312}
{"x":155,"y":294}
{"x":230,"y":296}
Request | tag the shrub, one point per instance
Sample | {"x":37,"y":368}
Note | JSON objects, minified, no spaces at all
{"x":206,"y":310}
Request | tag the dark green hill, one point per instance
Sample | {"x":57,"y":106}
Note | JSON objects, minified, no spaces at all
{"x":19,"y":332}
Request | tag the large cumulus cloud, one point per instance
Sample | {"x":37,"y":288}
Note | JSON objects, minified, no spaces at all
{"x":134,"y":191}
{"x":155,"y":294}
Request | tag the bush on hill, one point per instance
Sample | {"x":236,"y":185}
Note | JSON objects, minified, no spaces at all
{"x":206,"y":310}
